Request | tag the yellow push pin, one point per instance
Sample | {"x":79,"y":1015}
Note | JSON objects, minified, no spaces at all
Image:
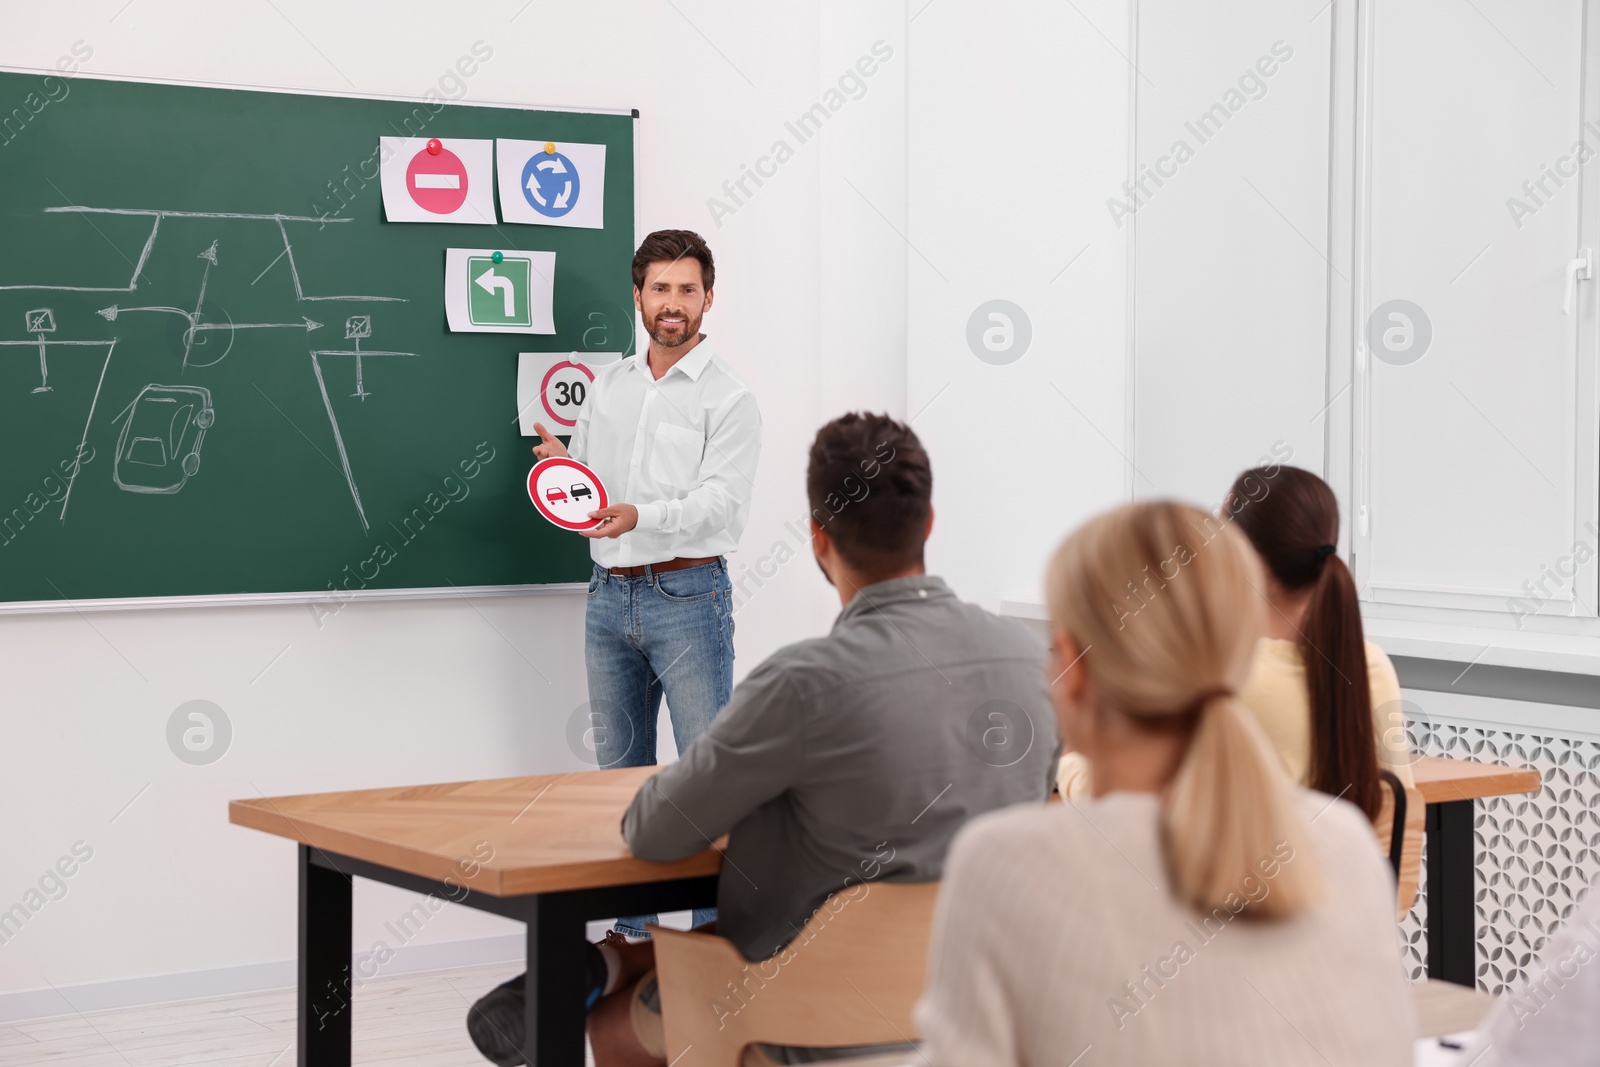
{"x":549,"y":148}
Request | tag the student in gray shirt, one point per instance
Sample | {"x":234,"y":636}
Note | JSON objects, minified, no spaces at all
{"x":846,"y":758}
{"x":849,"y":757}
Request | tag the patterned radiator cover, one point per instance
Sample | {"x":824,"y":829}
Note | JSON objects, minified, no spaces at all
{"x":1536,"y":855}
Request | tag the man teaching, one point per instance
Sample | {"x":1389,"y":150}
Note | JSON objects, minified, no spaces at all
{"x":675,"y":438}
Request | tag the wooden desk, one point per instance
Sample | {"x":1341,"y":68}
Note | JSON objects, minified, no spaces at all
{"x":1446,"y":1008}
{"x":1443,"y":781}
{"x":545,"y":850}
{"x":1449,"y":787}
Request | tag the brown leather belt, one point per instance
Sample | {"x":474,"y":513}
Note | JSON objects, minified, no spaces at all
{"x":681,"y":563}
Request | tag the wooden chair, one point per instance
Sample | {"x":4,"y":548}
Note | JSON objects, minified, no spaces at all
{"x":850,"y":977}
{"x":1399,"y":825}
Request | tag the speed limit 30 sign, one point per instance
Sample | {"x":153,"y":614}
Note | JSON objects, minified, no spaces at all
{"x":563,"y":391}
{"x":552,"y":387}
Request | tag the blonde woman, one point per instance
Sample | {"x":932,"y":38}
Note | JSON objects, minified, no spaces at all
{"x":1198,"y":907}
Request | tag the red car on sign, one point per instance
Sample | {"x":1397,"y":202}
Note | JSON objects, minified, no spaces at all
{"x":554,"y":494}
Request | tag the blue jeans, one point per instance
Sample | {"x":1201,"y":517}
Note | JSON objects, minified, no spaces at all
{"x":665,"y":634}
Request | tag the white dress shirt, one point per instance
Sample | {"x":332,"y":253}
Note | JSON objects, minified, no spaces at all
{"x":683,"y":450}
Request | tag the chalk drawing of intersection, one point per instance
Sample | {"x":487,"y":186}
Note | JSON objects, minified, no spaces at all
{"x":161,"y":458}
{"x":158,"y":450}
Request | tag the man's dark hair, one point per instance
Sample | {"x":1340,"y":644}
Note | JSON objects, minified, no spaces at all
{"x":673,"y":245}
{"x":871,"y":487}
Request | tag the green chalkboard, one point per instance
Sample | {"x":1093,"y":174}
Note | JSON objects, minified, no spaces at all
{"x":235,"y":211}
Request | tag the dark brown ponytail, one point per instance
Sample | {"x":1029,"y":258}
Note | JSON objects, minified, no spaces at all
{"x":1292,"y":518}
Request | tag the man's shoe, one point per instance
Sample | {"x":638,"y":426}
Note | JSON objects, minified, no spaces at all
{"x":496,"y":1022}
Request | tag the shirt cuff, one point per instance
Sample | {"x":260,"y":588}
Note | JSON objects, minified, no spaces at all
{"x":651,"y":516}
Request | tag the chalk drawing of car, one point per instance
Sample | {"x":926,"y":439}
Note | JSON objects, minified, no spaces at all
{"x":159,"y":448}
{"x":554,"y":495}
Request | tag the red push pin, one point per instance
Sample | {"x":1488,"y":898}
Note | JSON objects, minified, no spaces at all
{"x":434,"y":147}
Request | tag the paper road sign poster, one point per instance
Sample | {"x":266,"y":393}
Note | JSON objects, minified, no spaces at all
{"x":565,"y":491}
{"x":514,"y":293}
{"x":453,"y":184}
{"x":552,"y":183}
{"x":552,"y":387}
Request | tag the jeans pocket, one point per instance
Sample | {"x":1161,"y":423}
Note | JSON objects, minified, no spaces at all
{"x":688,"y":585}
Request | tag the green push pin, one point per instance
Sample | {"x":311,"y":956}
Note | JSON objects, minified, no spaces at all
{"x":498,"y":257}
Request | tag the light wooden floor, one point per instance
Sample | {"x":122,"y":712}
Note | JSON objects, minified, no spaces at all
{"x":412,"y":1020}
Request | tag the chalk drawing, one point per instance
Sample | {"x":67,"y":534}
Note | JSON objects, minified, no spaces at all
{"x":158,"y":450}
{"x":164,"y":427}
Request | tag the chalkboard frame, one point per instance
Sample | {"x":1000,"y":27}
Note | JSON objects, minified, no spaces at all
{"x":333,"y":600}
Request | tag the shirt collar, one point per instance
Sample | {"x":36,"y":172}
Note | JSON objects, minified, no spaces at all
{"x":693,"y":364}
{"x":878,"y":595}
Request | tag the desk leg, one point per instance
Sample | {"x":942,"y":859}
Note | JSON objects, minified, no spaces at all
{"x":322,"y":1030}
{"x":555,"y":984}
{"x":1452,"y":885}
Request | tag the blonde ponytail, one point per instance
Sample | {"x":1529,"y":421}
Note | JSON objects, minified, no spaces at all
{"x":1229,"y":816}
{"x":1164,"y":600}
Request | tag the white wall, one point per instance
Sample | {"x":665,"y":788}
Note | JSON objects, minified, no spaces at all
{"x":1231,"y":306}
{"x":848,"y":298}
{"x":1020,"y":117}
{"x":391,"y":693}
{"x":863,"y":201}
{"x":1018,"y":123}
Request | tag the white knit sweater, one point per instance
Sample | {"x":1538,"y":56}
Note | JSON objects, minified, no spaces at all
{"x":1056,"y":938}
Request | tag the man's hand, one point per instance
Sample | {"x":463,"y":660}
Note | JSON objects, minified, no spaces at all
{"x":615,"y":521}
{"x":548,"y":444}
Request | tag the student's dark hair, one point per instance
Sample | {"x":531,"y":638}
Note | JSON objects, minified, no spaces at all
{"x":673,"y":245}
{"x":871,"y":487}
{"x":1292,"y":518}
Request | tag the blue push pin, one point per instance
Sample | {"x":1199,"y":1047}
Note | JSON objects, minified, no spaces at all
{"x":498,"y":257}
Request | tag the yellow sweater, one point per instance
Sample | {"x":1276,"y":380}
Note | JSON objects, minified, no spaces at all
{"x":1276,"y":695}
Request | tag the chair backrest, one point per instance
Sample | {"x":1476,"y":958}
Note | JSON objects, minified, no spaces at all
{"x":1399,"y":825}
{"x":850,"y":977}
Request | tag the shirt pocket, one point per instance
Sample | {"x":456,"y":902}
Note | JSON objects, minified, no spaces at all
{"x":675,"y":455}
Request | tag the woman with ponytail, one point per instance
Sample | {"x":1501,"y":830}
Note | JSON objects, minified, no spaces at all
{"x":1197,"y":906}
{"x":1327,"y":699}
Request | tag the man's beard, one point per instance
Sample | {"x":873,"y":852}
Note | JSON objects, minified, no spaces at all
{"x":690,"y":328}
